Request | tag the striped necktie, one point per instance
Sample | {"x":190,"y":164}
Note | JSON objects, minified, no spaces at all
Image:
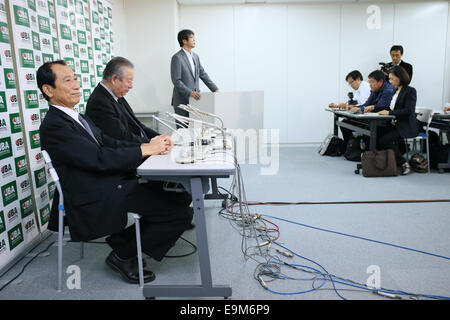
{"x":87,"y":127}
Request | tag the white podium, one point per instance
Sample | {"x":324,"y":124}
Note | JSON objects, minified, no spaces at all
{"x":238,"y":110}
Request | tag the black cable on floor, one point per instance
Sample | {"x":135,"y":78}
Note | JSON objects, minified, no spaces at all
{"x":26,"y":264}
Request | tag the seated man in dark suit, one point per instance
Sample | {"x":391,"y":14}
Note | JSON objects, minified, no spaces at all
{"x":381,"y":93}
{"x":99,"y":183}
{"x":111,"y":113}
{"x":109,"y":110}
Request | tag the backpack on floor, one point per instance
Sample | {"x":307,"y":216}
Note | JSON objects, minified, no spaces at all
{"x":418,"y":163}
{"x":332,"y":146}
{"x":353,"y":150}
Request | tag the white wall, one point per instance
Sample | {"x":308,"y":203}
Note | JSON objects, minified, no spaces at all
{"x":149,"y":38}
{"x":298,"y":54}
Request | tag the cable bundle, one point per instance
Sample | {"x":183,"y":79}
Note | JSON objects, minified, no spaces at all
{"x":275,"y":261}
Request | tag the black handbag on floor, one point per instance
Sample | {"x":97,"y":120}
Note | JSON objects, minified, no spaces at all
{"x":379,"y":163}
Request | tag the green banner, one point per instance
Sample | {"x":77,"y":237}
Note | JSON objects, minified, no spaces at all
{"x":21,"y":165}
{"x":26,"y":207}
{"x":40,"y":177}
{"x":16,"y":122}
{"x":21,"y":16}
{"x":15,"y":236}
{"x":5,"y":148}
{"x":9,"y":193}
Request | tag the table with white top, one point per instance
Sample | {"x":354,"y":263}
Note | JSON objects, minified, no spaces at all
{"x":195,"y":179}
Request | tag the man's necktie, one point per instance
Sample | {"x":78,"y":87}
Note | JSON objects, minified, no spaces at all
{"x":130,"y":116}
{"x":87,"y":127}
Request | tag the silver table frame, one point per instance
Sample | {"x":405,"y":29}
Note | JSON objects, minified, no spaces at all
{"x":195,"y":179}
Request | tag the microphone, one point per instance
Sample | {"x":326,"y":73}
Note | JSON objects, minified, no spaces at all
{"x":187,"y":109}
{"x":203,"y":123}
{"x":174,"y":130}
{"x":195,"y":109}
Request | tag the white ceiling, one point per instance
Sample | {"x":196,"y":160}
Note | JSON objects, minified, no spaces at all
{"x":200,"y":2}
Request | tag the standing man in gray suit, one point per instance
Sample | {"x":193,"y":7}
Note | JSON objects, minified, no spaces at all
{"x":185,"y":71}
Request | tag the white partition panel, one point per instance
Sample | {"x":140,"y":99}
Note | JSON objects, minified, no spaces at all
{"x":313,"y":69}
{"x":260,"y":37}
{"x":363,"y":43}
{"x":421,"y":28}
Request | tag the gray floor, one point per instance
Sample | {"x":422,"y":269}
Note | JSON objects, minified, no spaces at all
{"x":303,"y":176}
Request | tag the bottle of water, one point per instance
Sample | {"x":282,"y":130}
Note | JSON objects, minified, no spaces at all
{"x":362,"y":144}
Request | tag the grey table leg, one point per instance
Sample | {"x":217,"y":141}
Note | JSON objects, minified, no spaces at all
{"x":373,"y":135}
{"x":215,"y":195}
{"x":206,"y":289}
{"x":335,"y":126}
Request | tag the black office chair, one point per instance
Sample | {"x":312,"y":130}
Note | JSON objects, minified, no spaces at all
{"x":61,"y":210}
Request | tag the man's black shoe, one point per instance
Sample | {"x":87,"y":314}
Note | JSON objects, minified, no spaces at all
{"x":128,"y":268}
{"x":115,"y":243}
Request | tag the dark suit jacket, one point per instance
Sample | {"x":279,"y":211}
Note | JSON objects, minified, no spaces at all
{"x":380,"y":99}
{"x":95,"y":177}
{"x":408,"y":68}
{"x":110,"y":117}
{"x":405,"y":112}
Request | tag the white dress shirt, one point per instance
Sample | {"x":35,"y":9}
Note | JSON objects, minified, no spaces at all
{"x":363,"y":92}
{"x":394,"y":99}
{"x":70,"y":112}
{"x":191,"y":60}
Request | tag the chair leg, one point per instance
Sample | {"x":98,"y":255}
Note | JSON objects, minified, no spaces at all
{"x":428,"y":154}
{"x":60,"y":250}
{"x":139,"y":249}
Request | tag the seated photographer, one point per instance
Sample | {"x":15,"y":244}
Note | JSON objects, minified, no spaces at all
{"x":379,"y":99}
{"x":396,"y":54}
{"x":361,"y":88}
{"x":404,"y":109}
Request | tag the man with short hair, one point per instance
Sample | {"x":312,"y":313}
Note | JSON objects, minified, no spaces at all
{"x":185,"y":72}
{"x":380,"y":99}
{"x":110,"y":112}
{"x":108,"y":108}
{"x":396,"y":54}
{"x":98,"y":178}
{"x":380,"y":95}
{"x":361,"y":88}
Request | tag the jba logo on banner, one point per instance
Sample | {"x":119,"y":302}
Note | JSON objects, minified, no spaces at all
{"x":9,"y":193}
{"x":31,"y":99}
{"x":5,"y":148}
{"x":15,"y":236}
{"x":26,"y":58}
{"x":21,"y":16}
{"x":26,"y":207}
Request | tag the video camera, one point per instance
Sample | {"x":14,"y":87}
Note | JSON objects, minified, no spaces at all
{"x":351,"y":101}
{"x":386,"y":66}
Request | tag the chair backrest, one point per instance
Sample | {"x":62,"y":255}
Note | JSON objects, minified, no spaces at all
{"x":55,"y":177}
{"x":425,"y":115}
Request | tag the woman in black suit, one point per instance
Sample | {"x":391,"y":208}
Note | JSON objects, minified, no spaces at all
{"x":403,"y":107}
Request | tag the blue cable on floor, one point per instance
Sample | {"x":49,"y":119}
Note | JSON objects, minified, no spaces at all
{"x":359,"y":237}
{"x":330,"y":278}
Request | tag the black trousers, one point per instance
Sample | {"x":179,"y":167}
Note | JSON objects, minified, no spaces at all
{"x":391,"y":139}
{"x":165,"y":216}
